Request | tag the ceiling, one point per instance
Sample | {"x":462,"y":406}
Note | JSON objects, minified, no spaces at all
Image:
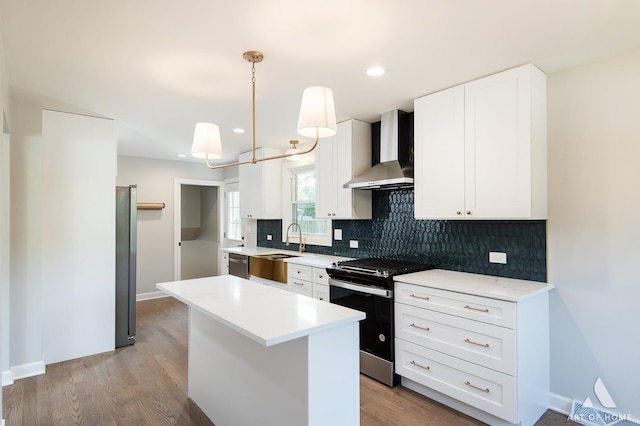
{"x":159,"y":67}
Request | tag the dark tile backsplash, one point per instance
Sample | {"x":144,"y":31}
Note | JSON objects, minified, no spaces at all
{"x":458,"y":245}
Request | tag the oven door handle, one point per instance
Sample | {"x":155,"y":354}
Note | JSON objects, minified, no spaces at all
{"x":388,"y":294}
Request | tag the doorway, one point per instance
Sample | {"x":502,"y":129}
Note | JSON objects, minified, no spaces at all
{"x":197,"y":232}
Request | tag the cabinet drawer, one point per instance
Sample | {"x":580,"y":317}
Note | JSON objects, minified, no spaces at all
{"x":491,"y":311}
{"x":321,"y":292}
{"x":299,"y":286}
{"x":484,"y":344}
{"x":300,"y":272}
{"x":320,"y":276}
{"x":480,"y":387}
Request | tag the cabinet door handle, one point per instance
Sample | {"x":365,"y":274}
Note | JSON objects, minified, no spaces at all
{"x":419,"y":297}
{"x":469,"y":212}
{"x":321,"y":298}
{"x":297,"y":283}
{"x":484,"y":345}
{"x":419,"y":327}
{"x":458,"y":212}
{"x":333,"y":214}
{"x":485,"y":310}
{"x":485,"y":390}
{"x":321,"y":276}
{"x":328,"y":214}
{"x":425,"y":367}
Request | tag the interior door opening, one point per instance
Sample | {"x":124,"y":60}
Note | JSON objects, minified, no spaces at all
{"x":198,"y":210}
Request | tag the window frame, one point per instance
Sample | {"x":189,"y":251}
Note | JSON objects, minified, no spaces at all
{"x":289,"y":169}
{"x":229,"y":188}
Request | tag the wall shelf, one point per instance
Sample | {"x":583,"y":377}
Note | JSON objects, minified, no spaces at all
{"x":151,"y":206}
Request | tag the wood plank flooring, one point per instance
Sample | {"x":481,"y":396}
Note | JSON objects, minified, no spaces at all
{"x":146,"y":384}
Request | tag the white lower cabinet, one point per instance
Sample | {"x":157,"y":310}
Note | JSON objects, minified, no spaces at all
{"x":486,"y":357}
{"x":223,"y":269}
{"x":483,"y":388}
{"x":307,"y":280}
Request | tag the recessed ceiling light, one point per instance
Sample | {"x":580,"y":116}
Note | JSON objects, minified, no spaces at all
{"x":181,"y":155}
{"x":375,"y":71}
{"x":238,"y":130}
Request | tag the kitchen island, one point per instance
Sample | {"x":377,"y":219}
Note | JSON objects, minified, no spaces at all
{"x":259,"y":355}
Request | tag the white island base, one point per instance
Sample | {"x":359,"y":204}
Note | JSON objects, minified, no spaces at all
{"x":259,"y":355}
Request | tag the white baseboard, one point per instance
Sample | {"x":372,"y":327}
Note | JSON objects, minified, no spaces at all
{"x":560,"y":404}
{"x":2,"y":423}
{"x":28,"y":370}
{"x":7,"y":378}
{"x":151,"y":295}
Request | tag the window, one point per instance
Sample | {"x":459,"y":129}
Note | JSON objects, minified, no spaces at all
{"x":302,"y":208}
{"x":234,"y":224}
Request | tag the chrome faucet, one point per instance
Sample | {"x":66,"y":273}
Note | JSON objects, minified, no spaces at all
{"x":301,"y":246}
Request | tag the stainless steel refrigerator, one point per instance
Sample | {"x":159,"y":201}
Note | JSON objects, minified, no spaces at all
{"x":126,"y":217}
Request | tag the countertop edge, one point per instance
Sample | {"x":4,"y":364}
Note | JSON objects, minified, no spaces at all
{"x":491,"y":285}
{"x":308,"y":259}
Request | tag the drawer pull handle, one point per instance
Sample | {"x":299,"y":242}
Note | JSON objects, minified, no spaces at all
{"x":485,"y":390}
{"x":418,"y":297}
{"x":321,"y":276}
{"x":297,"y":283}
{"x":421,"y":328}
{"x":476,"y":309}
{"x":484,"y":345}
{"x":421,"y":366}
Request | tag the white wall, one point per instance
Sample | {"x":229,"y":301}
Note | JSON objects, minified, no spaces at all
{"x":25,"y":327}
{"x":155,"y":181}
{"x":594,"y":230}
{"x":5,"y":226}
{"x":78,"y":235}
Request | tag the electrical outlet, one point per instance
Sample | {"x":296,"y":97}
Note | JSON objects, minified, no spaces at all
{"x":497,"y":257}
{"x":269,"y":237}
{"x":337,"y":234}
{"x":353,"y":243}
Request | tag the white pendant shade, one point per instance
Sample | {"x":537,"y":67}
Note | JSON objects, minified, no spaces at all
{"x":206,"y":140}
{"x":317,"y":113}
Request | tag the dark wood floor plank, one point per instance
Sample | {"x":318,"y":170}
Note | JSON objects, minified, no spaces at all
{"x":146,"y":384}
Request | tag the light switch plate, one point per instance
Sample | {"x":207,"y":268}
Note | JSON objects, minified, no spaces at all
{"x":353,"y":243}
{"x":337,"y":234}
{"x":269,"y":237}
{"x":497,"y":257}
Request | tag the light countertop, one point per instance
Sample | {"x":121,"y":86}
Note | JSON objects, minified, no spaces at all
{"x":508,"y":289}
{"x":264,"y":314}
{"x":308,"y":259}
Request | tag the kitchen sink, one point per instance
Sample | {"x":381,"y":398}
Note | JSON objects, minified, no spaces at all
{"x":275,"y":256}
{"x":270,"y":266}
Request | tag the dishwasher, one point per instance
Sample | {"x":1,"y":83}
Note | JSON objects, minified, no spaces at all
{"x":239,"y":265}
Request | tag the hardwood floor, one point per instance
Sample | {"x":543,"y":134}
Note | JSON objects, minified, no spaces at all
{"x":146,"y":384}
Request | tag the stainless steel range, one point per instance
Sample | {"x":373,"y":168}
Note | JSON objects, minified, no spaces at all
{"x":367,"y":285}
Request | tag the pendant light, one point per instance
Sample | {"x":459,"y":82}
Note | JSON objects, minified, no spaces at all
{"x":317,"y":120}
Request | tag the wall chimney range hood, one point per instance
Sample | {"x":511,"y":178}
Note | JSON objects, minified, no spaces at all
{"x":395,"y":169}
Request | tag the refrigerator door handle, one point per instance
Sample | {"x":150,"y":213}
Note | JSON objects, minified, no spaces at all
{"x":133,"y":245}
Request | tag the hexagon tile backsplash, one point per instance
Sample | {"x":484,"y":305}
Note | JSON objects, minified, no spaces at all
{"x":458,"y":245}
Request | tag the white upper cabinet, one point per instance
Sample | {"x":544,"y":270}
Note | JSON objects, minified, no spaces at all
{"x":480,"y":149}
{"x":338,"y":160}
{"x":261,"y":186}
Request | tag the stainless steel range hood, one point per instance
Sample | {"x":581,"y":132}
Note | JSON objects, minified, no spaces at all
{"x":395,"y":169}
